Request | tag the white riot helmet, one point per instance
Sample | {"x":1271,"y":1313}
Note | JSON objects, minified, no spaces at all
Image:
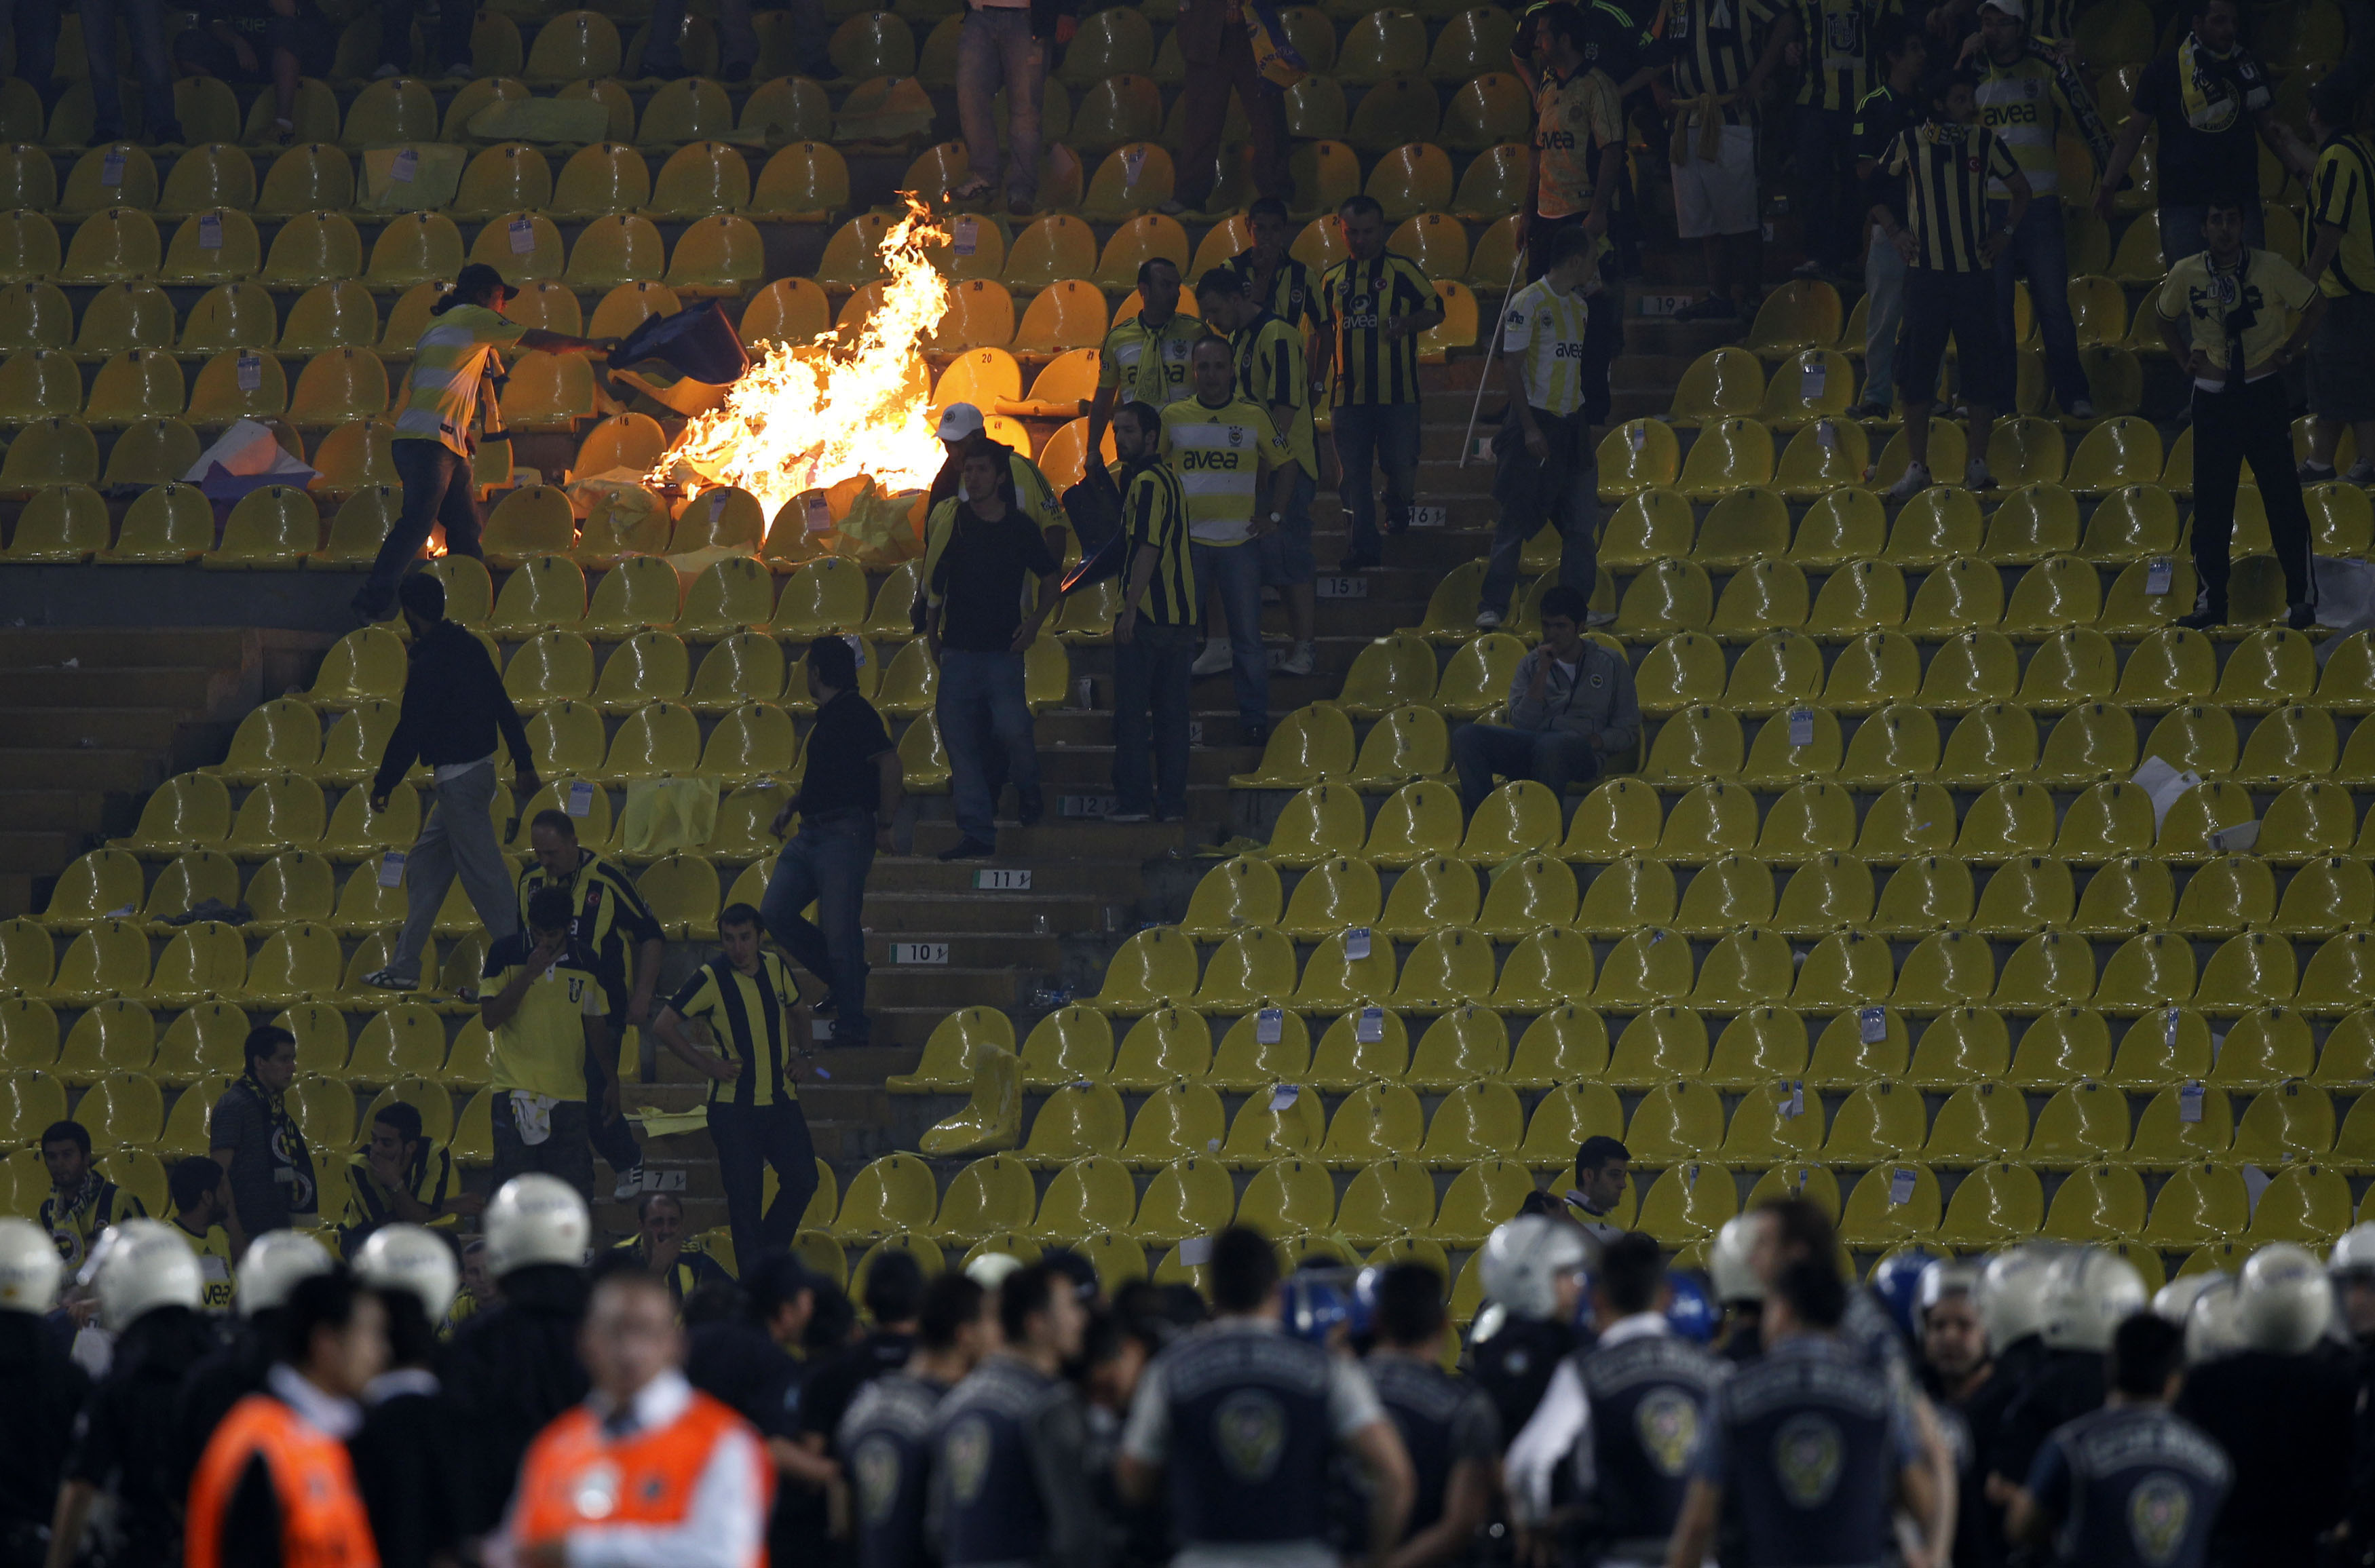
{"x":990,"y":1270}
{"x":2012,"y":1294}
{"x":535,"y":1219}
{"x":407,"y":1257}
{"x":1728,"y":1261}
{"x":139,"y":1265}
{"x":2088,"y":1293}
{"x":275,"y":1264}
{"x":2211,"y":1326}
{"x":1524,"y":1259}
{"x":2284,"y":1300}
{"x":29,"y":1268}
{"x":1945,"y":1277}
{"x":2175,"y":1299}
{"x":2355,"y":1253}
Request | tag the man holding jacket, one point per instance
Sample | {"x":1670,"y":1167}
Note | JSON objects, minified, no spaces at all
{"x":454,"y":705}
{"x":1571,"y":708}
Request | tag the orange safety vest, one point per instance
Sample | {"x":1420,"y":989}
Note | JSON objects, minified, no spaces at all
{"x":321,"y":1520}
{"x":575,"y":1477}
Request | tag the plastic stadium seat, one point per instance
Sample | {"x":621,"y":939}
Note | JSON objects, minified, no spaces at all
{"x":39,"y":383}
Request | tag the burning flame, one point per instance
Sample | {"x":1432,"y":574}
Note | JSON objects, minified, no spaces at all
{"x":807,"y":416}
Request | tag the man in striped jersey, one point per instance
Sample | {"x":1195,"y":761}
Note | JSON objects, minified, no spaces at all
{"x":1838,"y":43}
{"x":2024,"y":101}
{"x":1154,"y":634}
{"x":1950,"y":246}
{"x":1372,"y":305}
{"x":452,"y":362}
{"x":1221,"y":442}
{"x":1720,"y":72}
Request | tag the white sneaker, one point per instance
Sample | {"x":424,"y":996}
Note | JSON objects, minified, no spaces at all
{"x":1215,"y":659}
{"x":630,"y":1183}
{"x":1298,"y":660}
{"x":1977,"y":477}
{"x":2081,"y":409}
{"x":1916,"y":480}
{"x":1488,"y":620}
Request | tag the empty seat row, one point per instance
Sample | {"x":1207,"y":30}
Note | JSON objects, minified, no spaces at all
{"x":1754,"y":966}
{"x":405,"y":1040}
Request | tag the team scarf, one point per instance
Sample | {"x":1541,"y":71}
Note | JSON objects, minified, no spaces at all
{"x":2079,"y":95}
{"x":288,"y":1142}
{"x":2216,"y":87}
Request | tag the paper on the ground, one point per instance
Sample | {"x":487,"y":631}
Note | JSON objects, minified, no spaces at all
{"x":1195,"y":1251}
{"x":246,"y":457}
{"x":2256,"y":1181}
{"x":2162,"y":784}
{"x":2234,"y":838}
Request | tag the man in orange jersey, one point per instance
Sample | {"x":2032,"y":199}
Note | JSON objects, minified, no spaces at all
{"x":647,"y":1472}
{"x":275,"y":1488}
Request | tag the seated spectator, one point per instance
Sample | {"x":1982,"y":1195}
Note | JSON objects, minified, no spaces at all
{"x":201,"y":1194}
{"x":249,"y":43}
{"x":1571,"y":711}
{"x":401,"y":1174}
{"x":82,"y":1203}
{"x":659,"y":1248}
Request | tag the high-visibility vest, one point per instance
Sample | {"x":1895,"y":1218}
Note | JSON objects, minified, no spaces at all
{"x":575,"y":1479}
{"x":321,"y":1520}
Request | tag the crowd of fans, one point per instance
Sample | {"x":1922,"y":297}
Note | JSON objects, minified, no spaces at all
{"x":524,"y":1404}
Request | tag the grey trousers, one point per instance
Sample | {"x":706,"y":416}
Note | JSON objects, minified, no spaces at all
{"x":456,"y":837}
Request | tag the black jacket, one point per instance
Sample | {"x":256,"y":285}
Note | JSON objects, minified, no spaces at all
{"x":46,"y":1392}
{"x":454,"y":704}
{"x":509,"y":1371}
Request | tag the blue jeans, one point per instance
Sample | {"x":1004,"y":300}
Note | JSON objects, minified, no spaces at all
{"x":145,"y":20}
{"x":1150,"y":677}
{"x":1549,"y":757}
{"x":1386,"y":433}
{"x":749,"y":1138}
{"x":980,"y":706}
{"x":1827,"y":183}
{"x":2038,"y":250}
{"x":437,"y":489}
{"x":995,"y":48}
{"x":35,"y":25}
{"x":827,"y":863}
{"x":1883,"y":284}
{"x":1563,"y":488}
{"x":1231,"y":576}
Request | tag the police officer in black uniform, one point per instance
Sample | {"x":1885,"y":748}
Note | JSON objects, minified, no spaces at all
{"x":1813,"y":1443}
{"x":1237,"y":1423}
{"x":1447,"y":1424}
{"x":512,"y":1368}
{"x":45,"y":1390}
{"x":1533,"y":1271}
{"x":884,"y":1440}
{"x":1008,"y":1483}
{"x":2130,"y":1485}
{"x":894,"y":1295}
{"x":1959,"y":1377}
{"x":1599,"y":1474}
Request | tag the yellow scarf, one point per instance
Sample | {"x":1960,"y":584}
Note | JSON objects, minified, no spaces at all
{"x":1706,"y":109}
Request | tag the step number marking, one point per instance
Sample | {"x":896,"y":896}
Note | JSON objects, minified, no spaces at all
{"x":1002,"y":880}
{"x":1089,"y":805}
{"x":919,"y":952}
{"x":1343,"y":587}
{"x":1430,"y":516}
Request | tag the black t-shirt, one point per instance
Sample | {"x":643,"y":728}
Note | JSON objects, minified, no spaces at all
{"x":46,"y":1390}
{"x":126,"y":1440}
{"x":981,"y":575}
{"x":738,"y":1363}
{"x":840,"y":771}
{"x":2285,"y":1424}
{"x":835,"y":1384}
{"x":2209,"y":137}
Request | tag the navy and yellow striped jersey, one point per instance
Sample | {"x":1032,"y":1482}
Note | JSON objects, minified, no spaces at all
{"x":1842,"y":43}
{"x":1712,"y":44}
{"x":611,"y":919}
{"x":1355,"y":298}
{"x":1947,"y":171}
{"x":1293,"y":292}
{"x":1269,"y":370}
{"x":1155,"y":514}
{"x":2343,"y":197}
{"x":751,"y":1017}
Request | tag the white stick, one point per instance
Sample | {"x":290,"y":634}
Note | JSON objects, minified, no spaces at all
{"x":1484,"y":378}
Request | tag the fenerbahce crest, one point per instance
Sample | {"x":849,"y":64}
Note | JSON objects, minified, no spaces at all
{"x":1667,"y":1423}
{"x":2157,"y":1512}
{"x":1807,"y":1454}
{"x":1249,"y":1429}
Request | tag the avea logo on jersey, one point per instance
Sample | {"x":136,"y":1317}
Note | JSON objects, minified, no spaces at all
{"x":1193,"y":459}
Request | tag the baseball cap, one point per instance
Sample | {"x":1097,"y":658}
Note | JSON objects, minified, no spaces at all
{"x":468,"y":284}
{"x":2012,"y":8}
{"x":959,"y":421}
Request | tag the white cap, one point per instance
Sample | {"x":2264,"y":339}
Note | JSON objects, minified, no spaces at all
{"x":990,"y":1270}
{"x":535,"y":1219}
{"x":1728,"y":1261}
{"x":29,"y":1268}
{"x":2212,"y":1328}
{"x":273,"y":1264}
{"x":2088,"y":1293}
{"x":2012,"y":1294}
{"x":139,"y":1265}
{"x":1523,"y":1259}
{"x":2355,"y":1253}
{"x":2284,"y":1300}
{"x":407,"y":1257}
{"x":959,"y":420}
{"x":2012,"y":8}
